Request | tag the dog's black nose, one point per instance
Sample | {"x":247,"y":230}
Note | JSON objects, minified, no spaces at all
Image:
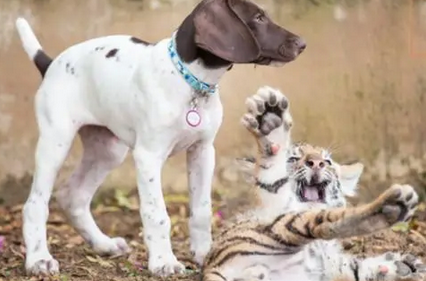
{"x":294,"y":44}
{"x":301,"y":44}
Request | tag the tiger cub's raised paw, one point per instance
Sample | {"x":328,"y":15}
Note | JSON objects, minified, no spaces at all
{"x":398,"y":203}
{"x":268,"y":109}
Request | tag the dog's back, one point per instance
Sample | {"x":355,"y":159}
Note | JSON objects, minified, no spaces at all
{"x":104,"y":52}
{"x":96,"y":73}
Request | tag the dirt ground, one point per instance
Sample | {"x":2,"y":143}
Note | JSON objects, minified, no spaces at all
{"x":117,"y":215}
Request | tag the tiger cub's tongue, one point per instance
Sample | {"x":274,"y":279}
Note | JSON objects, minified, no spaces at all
{"x":311,"y":193}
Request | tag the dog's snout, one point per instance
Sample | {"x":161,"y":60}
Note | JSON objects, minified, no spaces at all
{"x":300,"y":44}
{"x":295,"y":44}
{"x":315,"y":164}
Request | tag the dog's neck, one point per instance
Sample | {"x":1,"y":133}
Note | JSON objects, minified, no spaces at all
{"x":204,"y":65}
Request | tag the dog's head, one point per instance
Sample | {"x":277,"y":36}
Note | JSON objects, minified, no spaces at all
{"x":238,"y":31}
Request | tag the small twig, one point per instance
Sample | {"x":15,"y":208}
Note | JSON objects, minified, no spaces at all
{"x":419,"y":235}
{"x":117,"y":256}
{"x":17,"y":253}
{"x":420,"y":223}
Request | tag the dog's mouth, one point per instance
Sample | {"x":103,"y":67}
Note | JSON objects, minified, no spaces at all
{"x":263,"y":61}
{"x":273,"y":61}
{"x":312,"y":192}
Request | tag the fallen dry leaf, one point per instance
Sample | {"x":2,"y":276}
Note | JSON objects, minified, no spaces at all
{"x":17,"y":208}
{"x":74,"y":241}
{"x":176,"y":198}
{"x":100,"y":261}
{"x":418,"y":235}
{"x":100,"y":209}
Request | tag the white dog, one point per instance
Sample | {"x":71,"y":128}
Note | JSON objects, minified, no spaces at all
{"x":119,"y":92}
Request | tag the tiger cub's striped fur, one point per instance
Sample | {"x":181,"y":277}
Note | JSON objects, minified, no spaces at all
{"x":292,"y":233}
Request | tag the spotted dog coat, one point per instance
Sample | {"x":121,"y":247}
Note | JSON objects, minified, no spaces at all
{"x":292,"y":233}
{"x":119,"y":92}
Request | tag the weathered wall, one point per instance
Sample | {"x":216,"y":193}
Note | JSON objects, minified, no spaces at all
{"x":356,"y":88}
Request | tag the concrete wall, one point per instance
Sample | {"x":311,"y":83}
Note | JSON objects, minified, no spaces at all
{"x":357,"y":88}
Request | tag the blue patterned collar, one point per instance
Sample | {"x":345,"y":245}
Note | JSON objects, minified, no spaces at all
{"x":197,"y":85}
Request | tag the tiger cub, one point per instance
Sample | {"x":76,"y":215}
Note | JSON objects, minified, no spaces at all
{"x":292,"y":233}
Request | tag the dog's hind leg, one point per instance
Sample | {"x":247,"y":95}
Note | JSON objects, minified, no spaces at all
{"x":103,"y":151}
{"x":56,"y":136}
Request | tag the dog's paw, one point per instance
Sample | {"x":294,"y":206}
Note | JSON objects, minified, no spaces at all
{"x":395,"y":266}
{"x":201,"y":252}
{"x":268,"y":109}
{"x":398,"y":203}
{"x":42,"y":266}
{"x":162,"y":266}
{"x":112,"y":246}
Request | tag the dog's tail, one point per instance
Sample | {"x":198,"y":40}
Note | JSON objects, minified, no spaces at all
{"x":32,"y":46}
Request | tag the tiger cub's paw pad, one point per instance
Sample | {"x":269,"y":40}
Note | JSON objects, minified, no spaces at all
{"x":400,"y":203}
{"x":405,"y":266}
{"x":268,"y":109}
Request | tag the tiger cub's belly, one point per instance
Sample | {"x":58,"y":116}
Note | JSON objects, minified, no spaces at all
{"x":272,"y":267}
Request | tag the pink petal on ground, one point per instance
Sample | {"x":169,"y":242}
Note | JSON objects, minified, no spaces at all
{"x":219,"y":214}
{"x":2,"y":242}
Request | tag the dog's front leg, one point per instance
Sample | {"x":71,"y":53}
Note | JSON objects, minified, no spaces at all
{"x":156,"y":222}
{"x":200,"y":163}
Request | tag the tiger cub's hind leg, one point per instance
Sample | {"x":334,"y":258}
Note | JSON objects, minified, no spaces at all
{"x":257,"y":272}
{"x":396,"y":204}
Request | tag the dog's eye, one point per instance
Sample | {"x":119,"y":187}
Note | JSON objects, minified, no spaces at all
{"x":259,"y":17}
{"x":293,"y":159}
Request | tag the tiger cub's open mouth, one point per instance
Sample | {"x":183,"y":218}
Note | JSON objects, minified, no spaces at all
{"x":312,"y":192}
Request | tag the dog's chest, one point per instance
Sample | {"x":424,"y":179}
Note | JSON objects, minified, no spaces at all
{"x":184,"y":140}
{"x":187,"y":132}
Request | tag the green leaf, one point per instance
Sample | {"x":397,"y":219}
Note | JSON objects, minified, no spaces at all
{"x":401,"y":227}
{"x":122,"y":199}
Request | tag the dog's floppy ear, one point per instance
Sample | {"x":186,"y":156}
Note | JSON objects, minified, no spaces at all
{"x":221,"y":31}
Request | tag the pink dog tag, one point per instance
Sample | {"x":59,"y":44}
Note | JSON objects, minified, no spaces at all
{"x":193,"y":118}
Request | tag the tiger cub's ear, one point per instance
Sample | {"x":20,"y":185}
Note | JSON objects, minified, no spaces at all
{"x":246,"y":165}
{"x":349,"y":176}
